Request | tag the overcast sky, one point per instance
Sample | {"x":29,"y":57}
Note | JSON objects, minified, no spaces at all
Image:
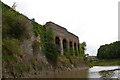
{"x":93,"y":21}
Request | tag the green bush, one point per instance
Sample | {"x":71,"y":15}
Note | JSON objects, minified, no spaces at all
{"x":71,"y":51}
{"x":46,"y":41}
{"x":9,"y":58}
{"x":39,"y":29}
{"x":81,"y":50}
{"x":14,"y":25}
{"x":23,"y":67}
{"x":50,"y":48}
{"x":36,"y":47}
{"x":67,"y":53}
{"x":11,"y":47}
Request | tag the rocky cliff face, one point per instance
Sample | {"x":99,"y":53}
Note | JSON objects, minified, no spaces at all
{"x":26,"y":44}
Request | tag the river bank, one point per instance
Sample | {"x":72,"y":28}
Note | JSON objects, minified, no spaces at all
{"x":51,"y":74}
{"x":101,"y":72}
{"x":37,"y":66}
{"x":104,"y":72}
{"x":74,"y":73}
{"x":65,"y":65}
{"x":105,"y":62}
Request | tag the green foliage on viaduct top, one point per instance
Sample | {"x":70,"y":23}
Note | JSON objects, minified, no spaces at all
{"x":46,"y":41}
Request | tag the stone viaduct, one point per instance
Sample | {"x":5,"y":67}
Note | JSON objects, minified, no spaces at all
{"x":64,"y":39}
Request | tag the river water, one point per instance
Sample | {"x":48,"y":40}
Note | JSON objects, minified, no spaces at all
{"x":94,"y":72}
{"x":104,"y":72}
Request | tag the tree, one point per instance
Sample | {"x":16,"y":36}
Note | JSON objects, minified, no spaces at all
{"x":82,"y":49}
{"x":109,"y":51}
{"x":47,"y":41}
{"x":50,"y":48}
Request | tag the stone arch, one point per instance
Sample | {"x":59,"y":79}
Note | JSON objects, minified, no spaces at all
{"x":71,"y":48}
{"x":78,"y":48}
{"x":65,"y":45}
{"x":70,"y":44}
{"x":75,"y":49}
{"x":57,"y":41}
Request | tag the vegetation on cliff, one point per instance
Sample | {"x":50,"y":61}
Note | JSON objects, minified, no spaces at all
{"x":47,"y":41}
{"x":16,"y":33}
{"x":14,"y":24}
{"x":23,"y":54}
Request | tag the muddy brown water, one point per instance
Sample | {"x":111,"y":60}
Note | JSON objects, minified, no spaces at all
{"x":94,"y":72}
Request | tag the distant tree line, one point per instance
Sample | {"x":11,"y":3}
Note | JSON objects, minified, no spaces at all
{"x":109,"y":51}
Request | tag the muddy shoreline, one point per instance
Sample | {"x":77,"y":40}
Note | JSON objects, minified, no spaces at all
{"x":46,"y":73}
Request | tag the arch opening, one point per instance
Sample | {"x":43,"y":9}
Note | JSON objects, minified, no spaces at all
{"x":78,"y":48}
{"x":70,"y":44}
{"x":64,"y":45}
{"x":71,"y":48}
{"x":57,"y":41}
{"x":75,"y":49}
